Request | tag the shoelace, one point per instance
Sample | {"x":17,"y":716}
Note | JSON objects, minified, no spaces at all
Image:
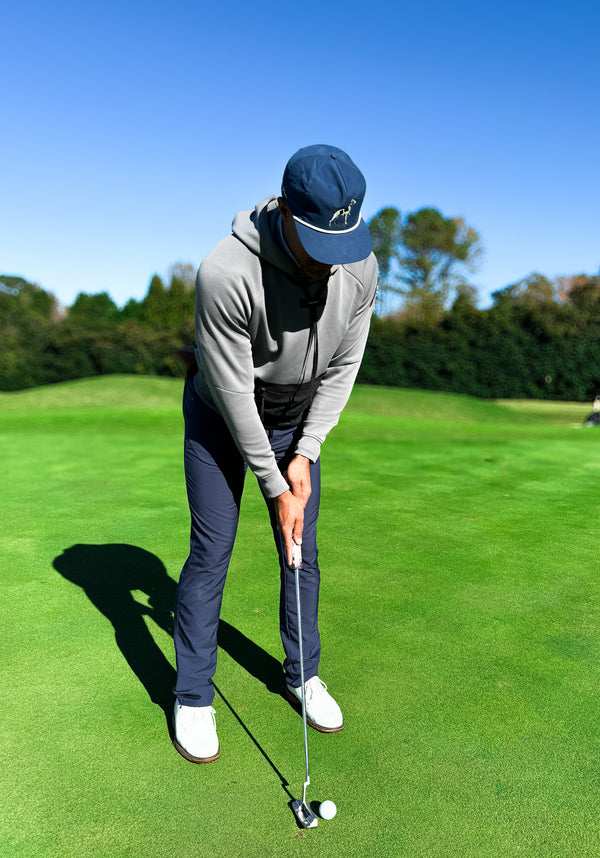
{"x":314,"y":685}
{"x":202,"y":713}
{"x":207,"y":714}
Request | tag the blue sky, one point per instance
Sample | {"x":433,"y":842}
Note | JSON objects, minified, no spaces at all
{"x":132,"y":132}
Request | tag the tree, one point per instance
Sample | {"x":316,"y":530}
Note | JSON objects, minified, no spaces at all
{"x":386,"y":233}
{"x":94,"y":310}
{"x":155,"y":305}
{"x":581,"y":291}
{"x":532,"y":291}
{"x":435,"y":252}
{"x":27,"y":314}
{"x":181,"y":293}
{"x":184,"y":272}
{"x":167,"y":308}
{"x":132,"y":310}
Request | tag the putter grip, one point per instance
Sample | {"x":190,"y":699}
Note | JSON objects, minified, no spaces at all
{"x":296,"y":556}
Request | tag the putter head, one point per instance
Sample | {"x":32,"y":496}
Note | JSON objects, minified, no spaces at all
{"x":304,"y":814}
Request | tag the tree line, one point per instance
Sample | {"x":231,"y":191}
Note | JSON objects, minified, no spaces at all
{"x":41,"y":344}
{"x":539,"y":338}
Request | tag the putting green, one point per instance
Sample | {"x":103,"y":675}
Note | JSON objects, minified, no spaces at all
{"x":460,"y":618}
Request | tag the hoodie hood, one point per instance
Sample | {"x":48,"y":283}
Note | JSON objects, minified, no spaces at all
{"x":260,"y":232}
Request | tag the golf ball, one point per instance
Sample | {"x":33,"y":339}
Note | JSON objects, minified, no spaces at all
{"x":327,"y":810}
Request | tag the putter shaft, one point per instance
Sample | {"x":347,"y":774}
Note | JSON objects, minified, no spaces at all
{"x":303,"y":813}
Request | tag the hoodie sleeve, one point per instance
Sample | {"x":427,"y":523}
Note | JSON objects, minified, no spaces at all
{"x":223,"y":320}
{"x":336,"y":386}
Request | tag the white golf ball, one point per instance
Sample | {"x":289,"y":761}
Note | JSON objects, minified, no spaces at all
{"x":327,"y":809}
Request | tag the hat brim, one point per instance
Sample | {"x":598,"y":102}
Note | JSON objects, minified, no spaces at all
{"x":336,"y":248}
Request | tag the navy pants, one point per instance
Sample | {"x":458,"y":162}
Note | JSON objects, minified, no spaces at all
{"x":214,"y":474}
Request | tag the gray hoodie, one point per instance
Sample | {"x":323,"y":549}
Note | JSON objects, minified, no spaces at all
{"x":252,"y":324}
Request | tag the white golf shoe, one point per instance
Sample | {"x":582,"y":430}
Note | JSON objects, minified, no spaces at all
{"x":322,"y":712}
{"x":196,"y":733}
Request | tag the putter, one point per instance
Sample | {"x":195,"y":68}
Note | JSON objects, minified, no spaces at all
{"x":302,"y":811}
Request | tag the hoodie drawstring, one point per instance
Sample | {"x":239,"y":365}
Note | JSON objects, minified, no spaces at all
{"x":313,"y":303}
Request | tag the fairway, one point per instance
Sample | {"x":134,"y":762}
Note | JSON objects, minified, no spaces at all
{"x":460,"y":622}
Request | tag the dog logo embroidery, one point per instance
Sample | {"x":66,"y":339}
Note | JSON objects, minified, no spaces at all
{"x":342,"y":213}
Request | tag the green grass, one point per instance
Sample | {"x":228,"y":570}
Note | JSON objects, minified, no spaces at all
{"x":460,"y":618}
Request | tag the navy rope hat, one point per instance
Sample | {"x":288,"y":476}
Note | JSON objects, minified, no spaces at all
{"x":324,"y":191}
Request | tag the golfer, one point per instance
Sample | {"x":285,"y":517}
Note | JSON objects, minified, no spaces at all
{"x":283,"y":307}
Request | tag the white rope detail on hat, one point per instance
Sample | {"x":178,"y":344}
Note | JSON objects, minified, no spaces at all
{"x":329,"y":231}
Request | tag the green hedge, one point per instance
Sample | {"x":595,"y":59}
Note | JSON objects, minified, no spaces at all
{"x":516,"y":349}
{"x":493,"y":354}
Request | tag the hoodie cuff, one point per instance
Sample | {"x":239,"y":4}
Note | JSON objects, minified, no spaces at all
{"x":274,"y":485}
{"x":309,"y":447}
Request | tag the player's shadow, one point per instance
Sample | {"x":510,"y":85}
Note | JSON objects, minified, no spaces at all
{"x":128,"y":584}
